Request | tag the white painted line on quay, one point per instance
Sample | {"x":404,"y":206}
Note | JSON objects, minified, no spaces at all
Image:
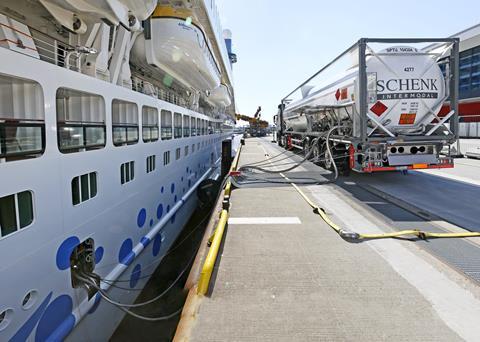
{"x":264,"y":220}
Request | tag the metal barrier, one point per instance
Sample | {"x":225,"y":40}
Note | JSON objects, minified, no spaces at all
{"x":217,"y":237}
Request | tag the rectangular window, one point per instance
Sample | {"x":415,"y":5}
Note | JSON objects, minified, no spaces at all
{"x":80,"y":120}
{"x":124,"y":122}
{"x":166,"y":158}
{"x":186,"y":151}
{"x":127,"y":172}
{"x":149,"y":124}
{"x":199,"y":127}
{"x":209,"y":127}
{"x":84,"y":187}
{"x":178,"y":153}
{"x":16,"y":212}
{"x":150,"y":164}
{"x":22,"y":119}
{"x":177,"y":122}
{"x":193,"y":127}
{"x":186,"y":126}
{"x":166,"y":124}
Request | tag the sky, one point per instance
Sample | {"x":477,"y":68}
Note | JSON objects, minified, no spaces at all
{"x":280,"y":43}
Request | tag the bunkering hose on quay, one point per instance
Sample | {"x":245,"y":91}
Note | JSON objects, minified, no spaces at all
{"x":354,"y":236}
{"x":351,"y":235}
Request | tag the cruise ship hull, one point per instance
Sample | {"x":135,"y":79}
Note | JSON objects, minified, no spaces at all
{"x":132,"y":225}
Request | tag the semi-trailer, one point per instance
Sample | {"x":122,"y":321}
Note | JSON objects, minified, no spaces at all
{"x":376,"y":107}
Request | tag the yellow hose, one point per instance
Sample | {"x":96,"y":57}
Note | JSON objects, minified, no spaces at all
{"x":356,"y":236}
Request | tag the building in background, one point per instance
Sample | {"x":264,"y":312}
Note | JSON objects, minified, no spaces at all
{"x":469,"y":83}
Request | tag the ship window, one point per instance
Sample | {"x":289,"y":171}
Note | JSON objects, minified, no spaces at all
{"x":166,"y":158}
{"x":199,"y":127}
{"x":178,"y":153}
{"x":127,"y":172}
{"x":193,"y":126}
{"x":16,"y":212}
{"x":84,"y":187}
{"x":166,"y":125}
{"x":150,"y":163}
{"x":186,"y":126}
{"x":80,"y":120}
{"x":124,"y":122}
{"x":210,"y":127}
{"x":204,"y":127}
{"x":22,"y":119}
{"x":186,"y":150}
{"x":177,"y":125}
{"x":149,"y":124}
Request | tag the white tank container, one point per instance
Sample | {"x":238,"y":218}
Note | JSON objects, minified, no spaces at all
{"x":405,"y":86}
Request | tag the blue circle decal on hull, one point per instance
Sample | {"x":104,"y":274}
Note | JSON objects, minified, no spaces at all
{"x":162,"y":190}
{"x":57,"y":318}
{"x":126,"y":255}
{"x":157,"y":243}
{"x":99,"y":254}
{"x":172,"y":188}
{"x":160,"y":211}
{"x":151,"y":222}
{"x":135,"y":277}
{"x":175,"y":199}
{"x":141,"y":218}
{"x":64,"y":252}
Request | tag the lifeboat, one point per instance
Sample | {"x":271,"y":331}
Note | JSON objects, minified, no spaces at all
{"x":220,"y":96}
{"x":176,"y":43}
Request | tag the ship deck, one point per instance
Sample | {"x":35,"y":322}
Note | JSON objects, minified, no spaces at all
{"x":284,"y":275}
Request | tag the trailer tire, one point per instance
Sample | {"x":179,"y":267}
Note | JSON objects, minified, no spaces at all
{"x":340,"y":153}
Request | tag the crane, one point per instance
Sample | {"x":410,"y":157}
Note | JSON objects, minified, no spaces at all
{"x":257,"y":126}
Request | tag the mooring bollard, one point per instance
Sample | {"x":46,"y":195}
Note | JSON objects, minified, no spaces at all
{"x":226,"y":156}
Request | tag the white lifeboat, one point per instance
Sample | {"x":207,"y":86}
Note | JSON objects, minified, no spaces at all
{"x":176,"y":44}
{"x":220,"y":96}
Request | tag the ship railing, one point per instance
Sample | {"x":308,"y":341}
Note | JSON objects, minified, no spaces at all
{"x":64,"y":55}
{"x":56,"y":52}
{"x":139,"y":84}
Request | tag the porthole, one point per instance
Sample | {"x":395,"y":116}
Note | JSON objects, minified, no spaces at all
{"x":5,"y":318}
{"x":29,"y":300}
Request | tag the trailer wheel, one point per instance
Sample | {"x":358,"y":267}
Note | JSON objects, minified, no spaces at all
{"x":342,"y":160}
{"x":340,"y":154}
{"x":306,"y":146}
{"x":316,"y":154}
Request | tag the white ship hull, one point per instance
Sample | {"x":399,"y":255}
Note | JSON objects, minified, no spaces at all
{"x":132,"y":224}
